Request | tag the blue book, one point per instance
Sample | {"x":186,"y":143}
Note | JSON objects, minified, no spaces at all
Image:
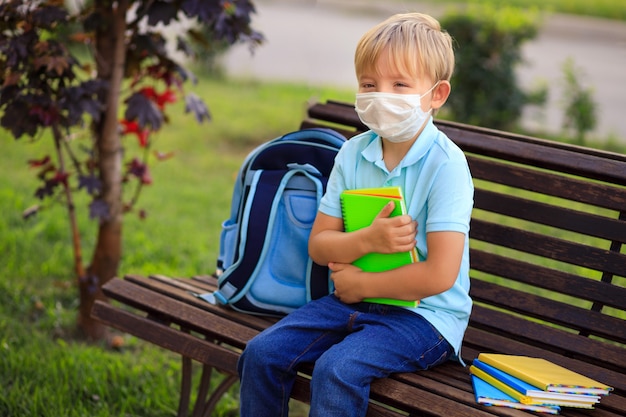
{"x":537,"y":394}
{"x":489,"y":395}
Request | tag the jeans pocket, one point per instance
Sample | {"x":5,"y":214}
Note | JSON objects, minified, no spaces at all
{"x":438,"y":354}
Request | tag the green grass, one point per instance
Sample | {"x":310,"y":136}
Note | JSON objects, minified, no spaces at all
{"x":44,"y":370}
{"x":609,"y":9}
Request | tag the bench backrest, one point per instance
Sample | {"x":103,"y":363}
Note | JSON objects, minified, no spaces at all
{"x":548,"y":246}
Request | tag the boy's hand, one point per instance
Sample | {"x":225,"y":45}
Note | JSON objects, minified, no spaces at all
{"x":347,"y":282}
{"x":392,"y":234}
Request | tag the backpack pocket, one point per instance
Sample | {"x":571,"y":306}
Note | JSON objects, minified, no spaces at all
{"x":228,"y":244}
{"x":282,"y":277}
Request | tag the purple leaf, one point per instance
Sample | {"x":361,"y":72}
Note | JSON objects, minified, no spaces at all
{"x":91,"y":183}
{"x":158,"y":12}
{"x":194,"y":104}
{"x":144,"y":110}
{"x":98,"y":209}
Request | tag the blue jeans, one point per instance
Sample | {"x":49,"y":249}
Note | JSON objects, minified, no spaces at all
{"x":350,"y":344}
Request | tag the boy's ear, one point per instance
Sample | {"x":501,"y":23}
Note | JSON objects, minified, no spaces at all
{"x":441,"y":94}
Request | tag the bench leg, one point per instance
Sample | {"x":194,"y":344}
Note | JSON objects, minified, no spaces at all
{"x":205,"y":402}
{"x":219,"y":391}
{"x":203,"y":390}
{"x":185,"y":387}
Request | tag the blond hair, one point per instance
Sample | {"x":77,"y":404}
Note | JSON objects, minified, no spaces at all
{"x":415,"y":43}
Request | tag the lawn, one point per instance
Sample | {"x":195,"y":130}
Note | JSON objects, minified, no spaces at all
{"x":608,"y":9}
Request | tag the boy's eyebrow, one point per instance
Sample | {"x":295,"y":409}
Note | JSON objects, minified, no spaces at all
{"x":365,"y":78}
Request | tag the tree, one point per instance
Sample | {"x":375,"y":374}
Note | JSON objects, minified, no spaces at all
{"x":579,"y":105}
{"x":46,"y":92}
{"x":489,"y":40}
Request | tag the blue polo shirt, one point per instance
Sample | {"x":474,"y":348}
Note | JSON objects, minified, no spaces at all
{"x":439,"y":193}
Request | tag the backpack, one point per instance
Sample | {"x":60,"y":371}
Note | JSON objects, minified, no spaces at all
{"x":263,"y":265}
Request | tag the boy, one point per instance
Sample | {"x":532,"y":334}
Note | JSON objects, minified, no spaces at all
{"x":403,"y":67}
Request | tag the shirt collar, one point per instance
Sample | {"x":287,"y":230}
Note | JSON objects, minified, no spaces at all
{"x":374,"y":151}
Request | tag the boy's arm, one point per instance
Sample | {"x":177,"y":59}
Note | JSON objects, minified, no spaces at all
{"x":327,"y":237}
{"x":423,"y":279}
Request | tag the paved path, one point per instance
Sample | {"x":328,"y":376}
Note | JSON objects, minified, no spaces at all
{"x":313,"y":42}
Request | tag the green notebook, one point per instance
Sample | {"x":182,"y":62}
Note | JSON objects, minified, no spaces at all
{"x":359,"y":208}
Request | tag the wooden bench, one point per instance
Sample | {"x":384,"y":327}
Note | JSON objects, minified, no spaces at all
{"x":548,"y":256}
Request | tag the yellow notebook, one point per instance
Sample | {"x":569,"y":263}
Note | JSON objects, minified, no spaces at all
{"x":545,"y":374}
{"x":360,"y":207}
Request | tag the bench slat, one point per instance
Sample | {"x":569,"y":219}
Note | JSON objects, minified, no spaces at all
{"x":429,"y":403}
{"x":548,"y":247}
{"x":550,"y":279}
{"x":456,"y":388}
{"x":178,"y":312}
{"x":556,"y":340}
{"x":548,"y":183}
{"x":169,"y":287}
{"x":166,"y":337}
{"x":546,"y":309}
{"x":569,"y":159}
{"x":562,"y":218}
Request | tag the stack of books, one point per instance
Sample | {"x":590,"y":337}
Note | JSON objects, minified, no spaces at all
{"x":532,"y":384}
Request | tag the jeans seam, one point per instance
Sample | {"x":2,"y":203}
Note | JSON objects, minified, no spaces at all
{"x":295,"y":360}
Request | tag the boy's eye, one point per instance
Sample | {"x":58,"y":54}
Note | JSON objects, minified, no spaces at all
{"x":367,"y":85}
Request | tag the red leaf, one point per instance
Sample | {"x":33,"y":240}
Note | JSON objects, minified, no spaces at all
{"x":61,"y":177}
{"x":133,"y":127}
{"x":129,"y":126}
{"x":168,"y":96}
{"x":149,"y":92}
{"x":143,"y":137}
{"x":35,"y":163}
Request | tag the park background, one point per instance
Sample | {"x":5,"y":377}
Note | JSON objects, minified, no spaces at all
{"x":44,"y":370}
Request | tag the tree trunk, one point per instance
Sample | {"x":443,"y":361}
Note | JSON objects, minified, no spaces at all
{"x":110,"y":62}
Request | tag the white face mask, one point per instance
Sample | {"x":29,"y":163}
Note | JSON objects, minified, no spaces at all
{"x":395,"y":117}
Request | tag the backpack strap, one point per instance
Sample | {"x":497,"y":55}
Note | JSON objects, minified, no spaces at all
{"x":317,"y":288}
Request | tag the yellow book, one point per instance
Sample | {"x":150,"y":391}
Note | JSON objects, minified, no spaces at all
{"x":545,"y":374}
{"x":359,"y":208}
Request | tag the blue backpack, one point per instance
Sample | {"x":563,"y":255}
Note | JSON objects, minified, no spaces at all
{"x":263,"y":265}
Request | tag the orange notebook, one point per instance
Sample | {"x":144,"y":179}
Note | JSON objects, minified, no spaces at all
{"x":359,"y":208}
